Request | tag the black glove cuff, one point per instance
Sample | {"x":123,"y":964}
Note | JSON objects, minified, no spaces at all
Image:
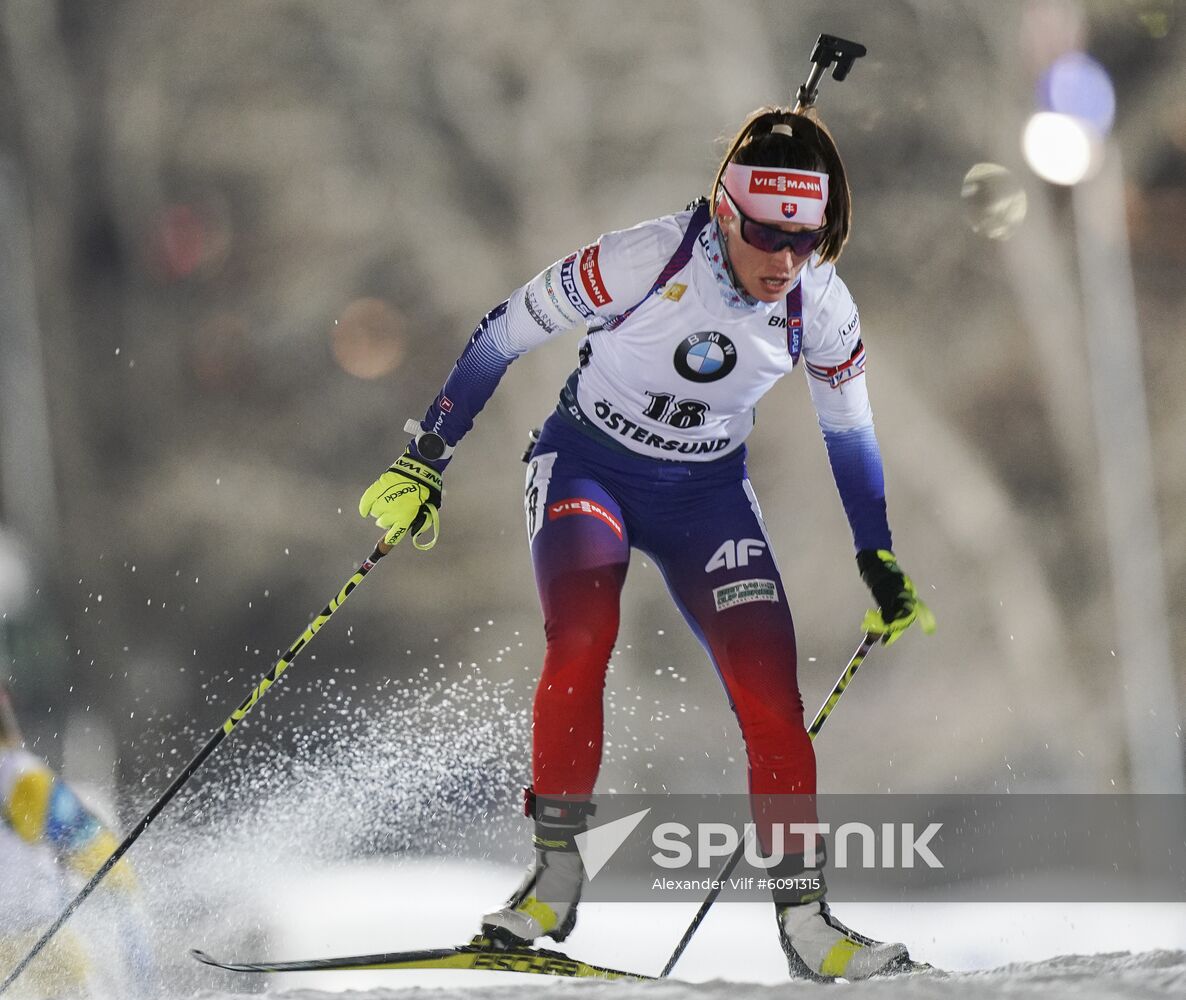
{"x":421,"y":473}
{"x":888,"y":585}
{"x":870,"y":564}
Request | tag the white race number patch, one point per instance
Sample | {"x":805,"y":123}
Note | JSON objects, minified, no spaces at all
{"x":744,"y":592}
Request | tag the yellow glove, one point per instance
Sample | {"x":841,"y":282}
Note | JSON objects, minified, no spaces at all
{"x":405,"y":500}
{"x":897,"y":597}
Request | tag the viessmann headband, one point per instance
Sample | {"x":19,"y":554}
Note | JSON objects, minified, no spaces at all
{"x":769,"y":194}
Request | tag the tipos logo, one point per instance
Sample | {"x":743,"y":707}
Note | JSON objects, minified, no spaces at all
{"x":705,"y":357}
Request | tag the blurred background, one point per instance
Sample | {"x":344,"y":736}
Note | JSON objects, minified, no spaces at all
{"x":240,"y":244}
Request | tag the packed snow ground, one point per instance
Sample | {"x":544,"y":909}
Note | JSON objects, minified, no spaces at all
{"x":1015,"y":950}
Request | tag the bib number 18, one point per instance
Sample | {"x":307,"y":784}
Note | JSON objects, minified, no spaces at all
{"x":679,"y":413}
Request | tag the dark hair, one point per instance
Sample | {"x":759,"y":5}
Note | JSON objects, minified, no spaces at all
{"x":808,"y":147}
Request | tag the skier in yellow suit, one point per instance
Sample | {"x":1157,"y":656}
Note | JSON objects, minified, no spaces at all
{"x":48,"y":840}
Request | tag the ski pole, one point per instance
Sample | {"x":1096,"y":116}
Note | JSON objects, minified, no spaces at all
{"x":821,"y":717}
{"x":199,"y":758}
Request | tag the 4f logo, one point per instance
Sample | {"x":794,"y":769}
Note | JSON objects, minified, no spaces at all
{"x":735,"y":553}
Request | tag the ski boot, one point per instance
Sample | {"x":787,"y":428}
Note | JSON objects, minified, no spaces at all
{"x":818,"y":946}
{"x":545,"y":905}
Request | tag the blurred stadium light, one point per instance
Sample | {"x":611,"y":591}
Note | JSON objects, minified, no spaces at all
{"x":1060,"y":148}
{"x":1077,"y":85}
{"x":1120,"y":403}
{"x":1066,"y":142}
{"x":1063,"y":140}
{"x":366,"y":339}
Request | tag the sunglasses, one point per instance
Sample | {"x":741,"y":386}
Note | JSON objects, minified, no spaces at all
{"x":771,"y":239}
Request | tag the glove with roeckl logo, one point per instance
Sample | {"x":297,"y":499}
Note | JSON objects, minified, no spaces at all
{"x":405,"y":501}
{"x":899,"y":605}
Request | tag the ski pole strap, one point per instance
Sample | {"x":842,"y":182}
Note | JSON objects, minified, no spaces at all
{"x":795,"y":322}
{"x":678,"y":261}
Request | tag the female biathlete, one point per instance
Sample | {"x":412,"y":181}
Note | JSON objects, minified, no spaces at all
{"x":691,"y":319}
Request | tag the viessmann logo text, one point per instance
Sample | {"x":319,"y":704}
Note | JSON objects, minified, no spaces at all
{"x":776,"y":182}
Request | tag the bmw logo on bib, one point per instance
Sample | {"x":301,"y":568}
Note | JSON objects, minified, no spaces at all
{"x":705,"y":357}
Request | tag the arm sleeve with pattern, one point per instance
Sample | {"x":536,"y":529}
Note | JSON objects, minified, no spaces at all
{"x":834,"y":360}
{"x":598,"y":281}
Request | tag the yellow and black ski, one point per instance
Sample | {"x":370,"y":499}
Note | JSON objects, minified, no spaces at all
{"x":479,"y":954}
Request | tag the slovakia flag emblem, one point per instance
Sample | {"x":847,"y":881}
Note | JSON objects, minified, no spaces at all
{"x":789,"y":208}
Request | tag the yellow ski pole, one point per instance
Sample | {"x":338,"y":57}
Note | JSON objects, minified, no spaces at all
{"x":199,"y":758}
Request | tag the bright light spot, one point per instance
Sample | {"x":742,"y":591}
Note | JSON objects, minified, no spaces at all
{"x":1060,"y":149}
{"x":367,"y":338}
{"x":1075,"y":84}
{"x":191,"y":237}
